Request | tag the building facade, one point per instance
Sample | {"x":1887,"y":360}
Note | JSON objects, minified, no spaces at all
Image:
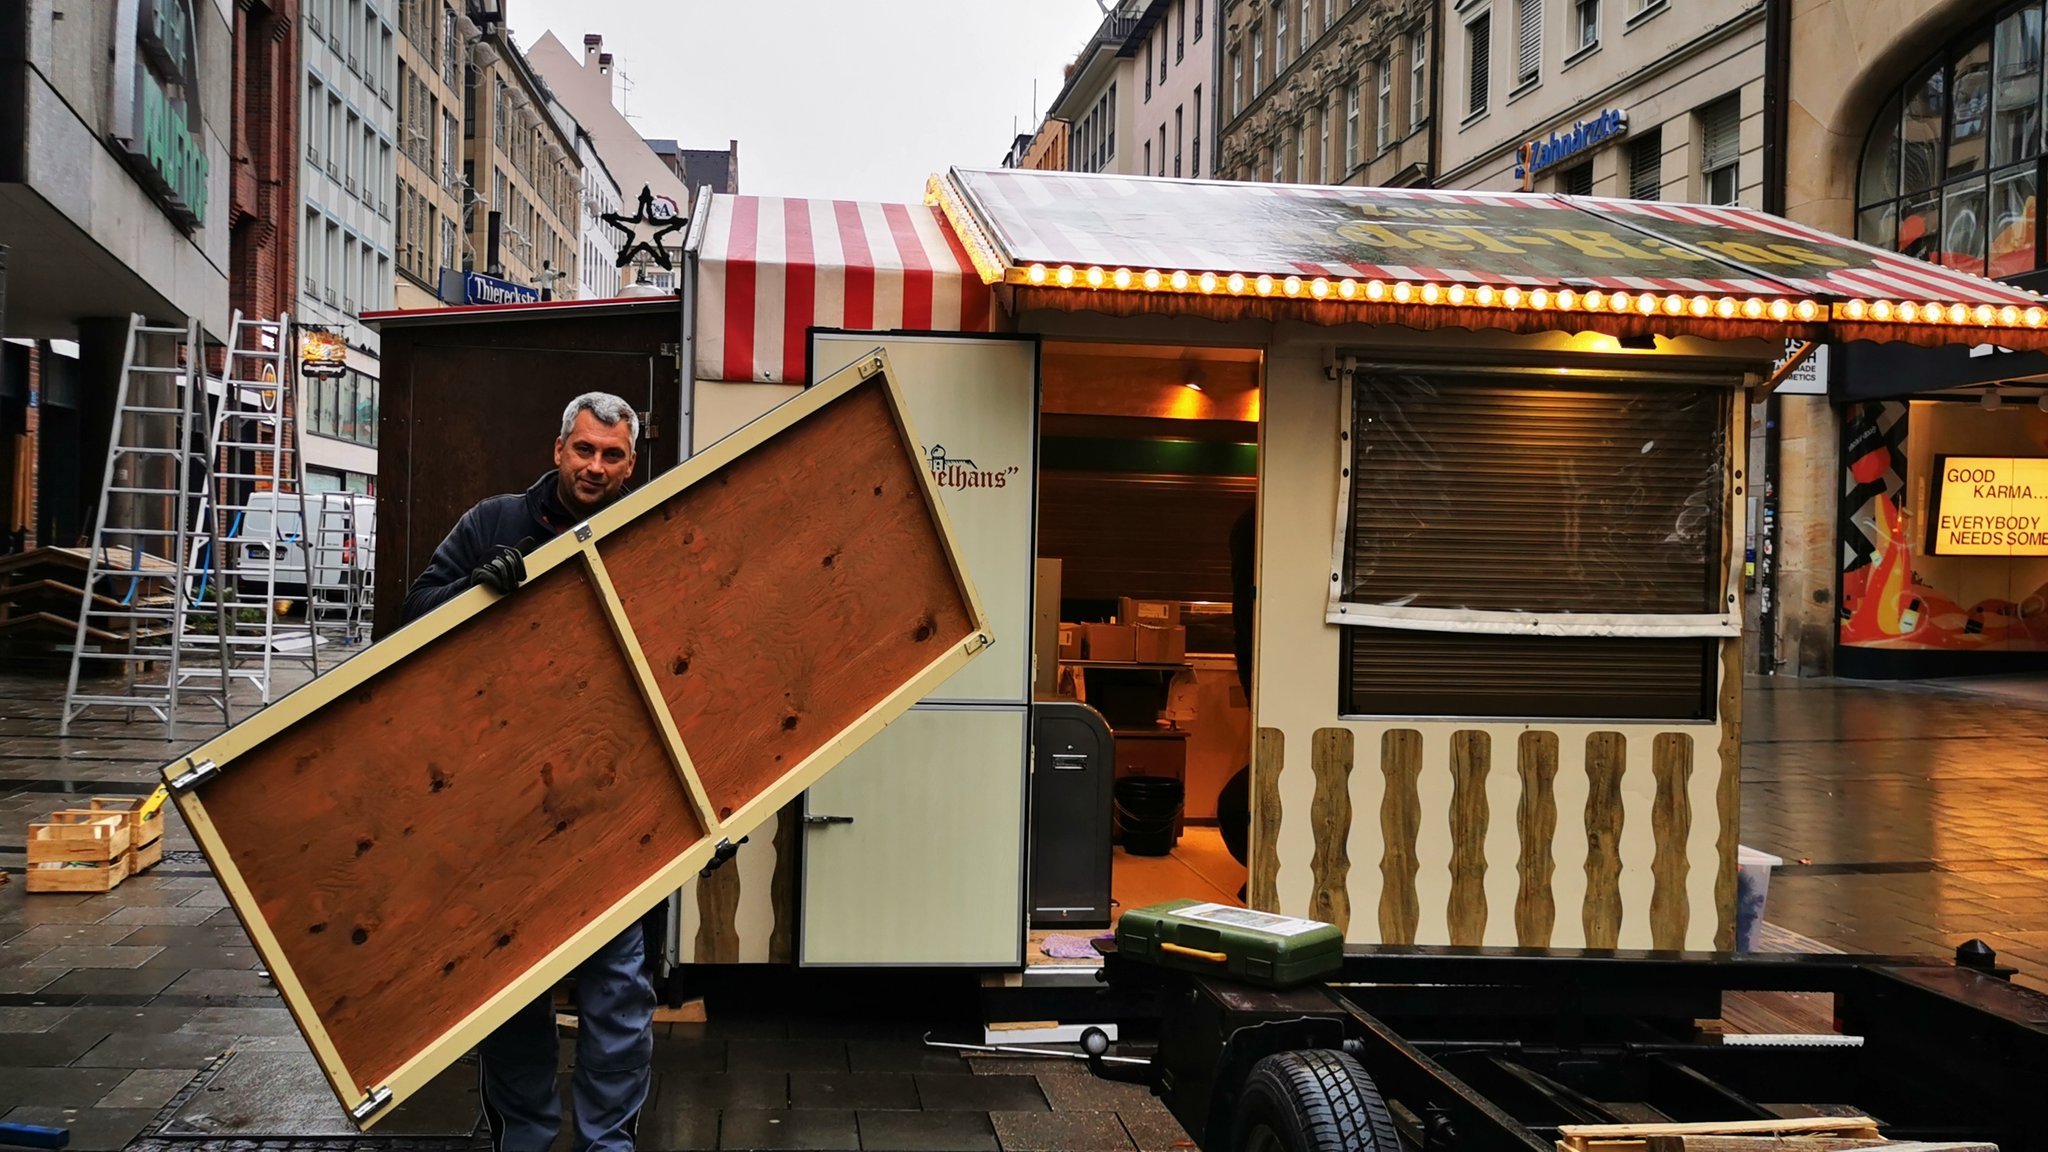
{"x":115,"y":199}
{"x":434,"y":40}
{"x":699,"y":168}
{"x":597,"y":263}
{"x":1095,"y":98}
{"x":347,"y":183}
{"x":1175,"y":87}
{"x":264,"y":183}
{"x":1647,"y":99}
{"x":520,"y":152}
{"x":1915,"y":126}
{"x":1326,"y":92}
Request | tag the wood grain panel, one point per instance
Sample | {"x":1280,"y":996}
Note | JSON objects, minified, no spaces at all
{"x":481,"y":871}
{"x":782,"y":888}
{"x":1536,"y":817}
{"x":718,"y":916}
{"x":1400,"y":823}
{"x":1329,"y":818}
{"x":1728,"y":795}
{"x":1671,"y":825}
{"x":771,"y":608}
{"x":1471,"y":757}
{"x":1268,"y":758}
{"x":1606,"y":759}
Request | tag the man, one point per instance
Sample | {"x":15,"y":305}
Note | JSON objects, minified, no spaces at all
{"x":614,"y":993}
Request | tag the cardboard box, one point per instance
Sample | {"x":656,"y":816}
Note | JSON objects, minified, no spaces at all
{"x":1110,"y":642}
{"x":1152,"y":645}
{"x":1158,"y":613}
{"x":1072,"y":644}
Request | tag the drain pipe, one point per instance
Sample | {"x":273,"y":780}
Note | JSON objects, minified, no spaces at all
{"x":1777,"y":120}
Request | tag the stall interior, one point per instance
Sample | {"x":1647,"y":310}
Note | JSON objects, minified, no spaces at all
{"x":1148,"y":473}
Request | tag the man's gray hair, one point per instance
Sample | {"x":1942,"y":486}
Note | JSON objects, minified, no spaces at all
{"x":608,"y":409}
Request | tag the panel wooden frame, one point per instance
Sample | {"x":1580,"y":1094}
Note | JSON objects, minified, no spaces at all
{"x":368,"y":1098}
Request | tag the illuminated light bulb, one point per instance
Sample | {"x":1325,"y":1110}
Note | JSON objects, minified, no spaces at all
{"x":1122,"y":279}
{"x":1701,"y":306}
{"x":1674,"y":305}
{"x":1153,"y":280}
{"x":1596,"y":300}
{"x":1984,"y":313}
{"x":1180,"y":281}
{"x":1620,"y":302}
{"x":1511,"y":296}
{"x":1752,"y":309}
{"x":1347,"y":288}
{"x":1236,"y":283}
{"x":1958,"y":313}
{"x":1932,"y":312}
{"x":1208,"y":282}
{"x":1567,"y":299}
{"x":1292,"y":285}
{"x":1066,"y":276}
{"x":1808,"y":311}
{"x":1457,"y":294}
{"x":2008,"y":315}
{"x":1881,"y":310}
{"x":1036,"y":274}
{"x":1855,"y":309}
{"x":2033,"y":317}
{"x":1404,"y":292}
{"x":1374,"y":290}
{"x":1263,"y":285}
{"x":1780,"y":310}
{"x":1725,"y":307}
{"x":1646,"y":304}
{"x":1096,"y":277}
{"x":1539,"y":298}
{"x":1319,"y":288}
{"x":1431,"y":294}
{"x":1483,"y":295}
{"x":1909,"y":312}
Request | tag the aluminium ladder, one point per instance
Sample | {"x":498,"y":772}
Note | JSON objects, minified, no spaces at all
{"x":341,"y":587}
{"x":134,"y":609}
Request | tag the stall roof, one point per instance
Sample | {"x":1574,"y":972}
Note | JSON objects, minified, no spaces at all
{"x":771,"y":268}
{"x":1430,"y":259}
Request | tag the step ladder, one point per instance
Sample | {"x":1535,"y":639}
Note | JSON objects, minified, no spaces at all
{"x":258,"y":565}
{"x":341,"y":568}
{"x":134,"y":609}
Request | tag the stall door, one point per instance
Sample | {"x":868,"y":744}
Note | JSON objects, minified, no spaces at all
{"x":913,"y":851}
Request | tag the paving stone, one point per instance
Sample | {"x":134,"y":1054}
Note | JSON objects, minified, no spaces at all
{"x":688,"y":1055}
{"x":1060,"y":1132}
{"x":155,"y":1050}
{"x":57,"y":1087}
{"x":926,"y":1132}
{"x":816,"y":1130}
{"x":53,"y":1049}
{"x":241,"y":1021}
{"x":1156,"y":1131}
{"x":786,"y":1055}
{"x":903,"y":1056}
{"x":725,"y":1027}
{"x":62,"y":935}
{"x":117,"y":981}
{"x":188,"y":936}
{"x":97,"y":956}
{"x":759,"y":1090}
{"x":153,"y":914}
{"x":980,"y":1093}
{"x":675,"y":1130}
{"x":146,"y":1088}
{"x":244,"y":958}
{"x":92,"y":1129}
{"x":20,"y":980}
{"x":220,"y":982}
{"x":210,"y":899}
{"x":136,"y":1018}
{"x":1094,"y":1094}
{"x":36,"y":911}
{"x":1025,"y":1066}
{"x":855,"y":1090}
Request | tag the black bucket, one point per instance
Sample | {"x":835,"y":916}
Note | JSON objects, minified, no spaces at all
{"x":1146,"y":807}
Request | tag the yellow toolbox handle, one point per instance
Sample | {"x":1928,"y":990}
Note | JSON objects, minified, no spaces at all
{"x":1197,"y":953}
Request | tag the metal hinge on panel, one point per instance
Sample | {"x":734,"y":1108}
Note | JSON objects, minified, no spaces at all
{"x":870,"y":366}
{"x":583,"y":533}
{"x":194,"y":775}
{"x":370,"y":1105}
{"x":977,"y":642}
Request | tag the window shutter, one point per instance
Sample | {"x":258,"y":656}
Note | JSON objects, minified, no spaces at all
{"x":1577,"y":180}
{"x":1479,"y":34}
{"x":1646,"y":166}
{"x":1722,"y":127}
{"x":1529,"y":57}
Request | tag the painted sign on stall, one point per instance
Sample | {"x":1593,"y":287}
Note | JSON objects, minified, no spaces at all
{"x":1989,"y":506}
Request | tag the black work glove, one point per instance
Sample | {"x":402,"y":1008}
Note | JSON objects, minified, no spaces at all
{"x":504,"y":571}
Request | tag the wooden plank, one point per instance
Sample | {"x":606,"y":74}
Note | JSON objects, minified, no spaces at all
{"x":1728,"y":793}
{"x":718,"y":914}
{"x":1606,"y":759}
{"x":782,"y":885}
{"x":1671,"y":825}
{"x":1471,"y":758}
{"x":1268,"y":758}
{"x":1816,"y":1125}
{"x":1536,"y":817}
{"x":1330,"y":821}
{"x":1400,"y":824}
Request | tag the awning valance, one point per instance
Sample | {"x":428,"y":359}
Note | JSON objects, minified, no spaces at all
{"x":769,"y":268}
{"x":1456,"y":258}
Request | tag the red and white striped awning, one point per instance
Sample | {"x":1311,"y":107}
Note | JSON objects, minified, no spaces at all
{"x":770,"y":269}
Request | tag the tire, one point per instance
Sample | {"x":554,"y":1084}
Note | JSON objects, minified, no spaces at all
{"x":1314,"y":1100}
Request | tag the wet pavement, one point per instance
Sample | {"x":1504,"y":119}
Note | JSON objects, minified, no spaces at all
{"x":1910,"y":819}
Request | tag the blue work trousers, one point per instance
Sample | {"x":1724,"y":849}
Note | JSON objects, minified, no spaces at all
{"x":517,"y":1063}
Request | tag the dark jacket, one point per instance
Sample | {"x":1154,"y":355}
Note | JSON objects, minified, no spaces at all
{"x":530,"y":518}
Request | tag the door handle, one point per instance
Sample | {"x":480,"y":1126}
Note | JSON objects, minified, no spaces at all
{"x":809,"y":819}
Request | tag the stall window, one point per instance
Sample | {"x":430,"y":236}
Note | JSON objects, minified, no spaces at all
{"x":1514,"y":548}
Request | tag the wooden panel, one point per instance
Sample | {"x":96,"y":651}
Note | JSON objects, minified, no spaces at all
{"x":1268,"y":759}
{"x":1400,"y":824}
{"x":1471,"y":756}
{"x":718,"y":915}
{"x":428,"y":839}
{"x":1728,"y":795}
{"x":1671,"y":824}
{"x":782,"y":886}
{"x":1151,"y":386}
{"x":1606,"y":758}
{"x":760,"y":668}
{"x":1330,"y":821}
{"x":1535,"y":906}
{"x":1146,"y":536}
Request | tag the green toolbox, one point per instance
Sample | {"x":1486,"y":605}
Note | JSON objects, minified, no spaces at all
{"x":1222,"y":940}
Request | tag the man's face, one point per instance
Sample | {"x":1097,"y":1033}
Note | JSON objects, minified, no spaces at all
{"x":595,"y":459}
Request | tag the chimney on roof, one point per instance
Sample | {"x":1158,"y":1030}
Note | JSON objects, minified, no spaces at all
{"x":604,"y":63}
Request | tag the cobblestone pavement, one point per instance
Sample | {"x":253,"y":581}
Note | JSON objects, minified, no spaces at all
{"x":1909,"y":819}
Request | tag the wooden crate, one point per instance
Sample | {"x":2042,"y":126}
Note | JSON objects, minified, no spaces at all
{"x":145,"y":833}
{"x":77,"y":852}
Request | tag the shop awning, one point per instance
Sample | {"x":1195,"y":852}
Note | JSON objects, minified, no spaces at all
{"x":769,"y":268}
{"x":1431,"y":259}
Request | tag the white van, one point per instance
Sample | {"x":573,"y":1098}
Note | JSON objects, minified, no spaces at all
{"x":344,"y":554}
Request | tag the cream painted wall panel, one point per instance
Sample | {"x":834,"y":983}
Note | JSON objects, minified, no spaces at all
{"x":1703,"y":841}
{"x":1503,"y":832}
{"x":1365,"y":844}
{"x":755,"y":918}
{"x":724,"y":408}
{"x":1433,"y":841}
{"x":1568,"y":849}
{"x":1638,"y":839}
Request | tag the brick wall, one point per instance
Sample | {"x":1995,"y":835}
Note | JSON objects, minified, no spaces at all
{"x":263,"y":221}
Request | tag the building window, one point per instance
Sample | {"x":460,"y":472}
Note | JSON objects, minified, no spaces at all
{"x":1418,"y":89}
{"x":1279,"y":40}
{"x":1383,"y":108}
{"x":1307,"y":38}
{"x":1279,"y":164}
{"x":1236,"y":81}
{"x":1300,"y":152}
{"x":1324,"y":157}
{"x":1350,"y":129}
{"x":1162,"y":152}
{"x":1195,"y":141}
{"x":1148,"y":70}
{"x":1576,"y":180}
{"x":1646,"y":165}
{"x":1952,"y":179}
{"x":1258,"y":59}
{"x":1478,"y":63}
{"x":1413,"y":547}
{"x":1588,"y":22}
{"x":1528,"y":41}
{"x":1720,"y":149}
{"x":1180,"y":30}
{"x":1179,"y":141}
{"x":1199,"y":5}
{"x":1148,"y":157}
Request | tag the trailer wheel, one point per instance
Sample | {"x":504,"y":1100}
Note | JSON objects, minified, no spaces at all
{"x":1312,"y":1100}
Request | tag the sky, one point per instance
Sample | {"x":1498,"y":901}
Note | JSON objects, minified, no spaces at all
{"x":833,"y":99}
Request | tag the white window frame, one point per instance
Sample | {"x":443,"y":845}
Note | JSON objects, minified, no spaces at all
{"x":1476,"y":76}
{"x":1300,"y":152}
{"x":1324,"y":159}
{"x":1418,"y":78}
{"x":1383,"y":104}
{"x":1351,"y":135}
{"x":1258,"y":58}
{"x":1279,"y":39}
{"x":1195,"y":137}
{"x":1528,"y":43}
{"x":1236,"y":79}
{"x":1587,"y":16}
